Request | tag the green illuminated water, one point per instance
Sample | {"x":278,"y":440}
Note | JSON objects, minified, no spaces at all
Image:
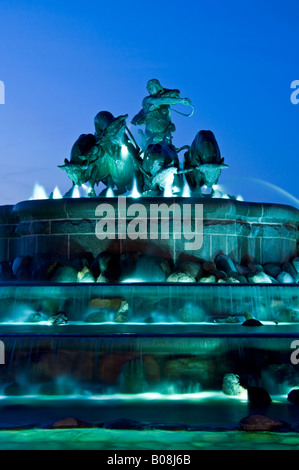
{"x":99,"y":439}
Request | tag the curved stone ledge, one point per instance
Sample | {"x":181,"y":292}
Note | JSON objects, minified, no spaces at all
{"x":66,"y":228}
{"x":214,"y":209}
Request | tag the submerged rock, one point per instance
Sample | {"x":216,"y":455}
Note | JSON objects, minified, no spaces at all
{"x":124,"y":423}
{"x":123,"y":312}
{"x":69,"y":422}
{"x":260,"y":423}
{"x":288,"y":315}
{"x":37,"y":317}
{"x":192,"y":313}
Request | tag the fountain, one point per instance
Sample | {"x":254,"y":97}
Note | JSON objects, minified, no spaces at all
{"x":154,"y":304}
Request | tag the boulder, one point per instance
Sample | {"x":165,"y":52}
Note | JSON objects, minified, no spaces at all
{"x":65,"y":274}
{"x":293,"y":396}
{"x":190,"y":268}
{"x":258,"y":396}
{"x":288,"y":315}
{"x":207,"y":267}
{"x":144,"y":268}
{"x":124,"y":423}
{"x":295,"y":263}
{"x":260,"y":278}
{"x":122,"y":313}
{"x":255,"y":423}
{"x":14,"y":389}
{"x":180,"y":277}
{"x":21,"y":267}
{"x":60,"y":318}
{"x":252,"y":322}
{"x":192,"y":313}
{"x":69,"y":422}
{"x":85,"y":275}
{"x":6,"y":273}
{"x":45,"y":271}
{"x":285,"y":278}
{"x":98,"y":317}
{"x":272,"y":269}
{"x":226,"y":264}
{"x":37,"y":317}
{"x":290,"y":269}
{"x":211,"y":279}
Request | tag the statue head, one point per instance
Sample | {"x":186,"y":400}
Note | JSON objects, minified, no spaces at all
{"x":102,"y":121}
{"x":153,"y":86}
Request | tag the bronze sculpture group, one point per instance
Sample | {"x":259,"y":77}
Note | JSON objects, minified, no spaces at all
{"x":112,"y":156}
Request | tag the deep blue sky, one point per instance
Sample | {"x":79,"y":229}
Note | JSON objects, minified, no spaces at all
{"x":63,"y":61}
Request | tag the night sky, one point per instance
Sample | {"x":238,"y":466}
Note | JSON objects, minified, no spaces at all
{"x":64,"y":61}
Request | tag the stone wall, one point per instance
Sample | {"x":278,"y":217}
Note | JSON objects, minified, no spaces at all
{"x":65,"y":228}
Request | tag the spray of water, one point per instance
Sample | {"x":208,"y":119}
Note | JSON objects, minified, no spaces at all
{"x":38,"y":192}
{"x":278,"y":189}
{"x":134,"y":193}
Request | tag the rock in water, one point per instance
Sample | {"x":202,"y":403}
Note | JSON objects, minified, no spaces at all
{"x":260,"y":423}
{"x":285,"y":278}
{"x":123,"y":312}
{"x":293,"y":396}
{"x":258,"y":396}
{"x":250,"y":321}
{"x":59,"y":319}
{"x":231,"y":385}
{"x":6,"y":273}
{"x":260,"y":278}
{"x":288,"y":314}
{"x":65,"y":274}
{"x":180,"y":277}
{"x":69,"y":422}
